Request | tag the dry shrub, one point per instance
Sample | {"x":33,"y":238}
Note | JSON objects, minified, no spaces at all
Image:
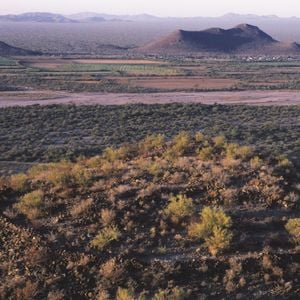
{"x":106,"y":235}
{"x":98,"y":186}
{"x":229,"y":196}
{"x":177,"y":178}
{"x":175,"y":293}
{"x":81,"y":208}
{"x":27,"y":292}
{"x":103,"y":295}
{"x":179,"y":207}
{"x":232,"y":279}
{"x":256,"y":162}
{"x":230,"y":162}
{"x":149,"y":190}
{"x":36,"y":256}
{"x":184,"y":163}
{"x":111,"y":270}
{"x":31,"y":204}
{"x":56,"y":295}
{"x":213,"y":228}
{"x":107,"y":216}
{"x":94,"y":162}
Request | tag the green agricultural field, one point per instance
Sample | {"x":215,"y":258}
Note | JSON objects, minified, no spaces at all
{"x":128,"y":69}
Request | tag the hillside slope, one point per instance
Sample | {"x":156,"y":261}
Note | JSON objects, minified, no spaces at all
{"x":191,"y":218}
{"x":7,"y":50}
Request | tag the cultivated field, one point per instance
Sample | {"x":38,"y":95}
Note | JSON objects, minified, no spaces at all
{"x":120,"y":74}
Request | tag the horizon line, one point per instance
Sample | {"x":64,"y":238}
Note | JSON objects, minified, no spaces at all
{"x":152,"y":15}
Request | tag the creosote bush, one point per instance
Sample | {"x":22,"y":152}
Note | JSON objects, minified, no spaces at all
{"x":181,"y":142}
{"x":213,"y":228}
{"x":127,"y":294}
{"x":30,"y":204}
{"x":205,"y":153}
{"x":19,"y":182}
{"x":175,"y":293}
{"x":105,"y":236}
{"x":293,"y":228}
{"x":179,"y":207}
{"x":152,"y":142}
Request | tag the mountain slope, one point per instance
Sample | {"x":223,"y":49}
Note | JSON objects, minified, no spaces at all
{"x":7,"y":50}
{"x":241,"y":39}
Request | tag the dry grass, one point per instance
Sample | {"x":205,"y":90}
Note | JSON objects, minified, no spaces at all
{"x":82,"y":207}
{"x":107,"y":216}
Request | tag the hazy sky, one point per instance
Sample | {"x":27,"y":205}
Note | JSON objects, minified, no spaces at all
{"x":156,"y":7}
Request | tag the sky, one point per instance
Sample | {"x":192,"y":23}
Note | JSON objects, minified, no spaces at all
{"x":186,"y":8}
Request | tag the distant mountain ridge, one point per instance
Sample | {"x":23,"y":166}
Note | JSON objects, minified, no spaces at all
{"x":84,"y":17}
{"x":39,"y":17}
{"x":242,"y":39}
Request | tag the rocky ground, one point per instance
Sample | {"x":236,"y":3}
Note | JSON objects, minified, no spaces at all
{"x":122,"y":225}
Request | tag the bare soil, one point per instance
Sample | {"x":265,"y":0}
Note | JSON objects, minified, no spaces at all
{"x":245,"y":97}
{"x":181,"y":82}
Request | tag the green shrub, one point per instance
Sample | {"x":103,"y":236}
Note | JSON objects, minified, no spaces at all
{"x":106,"y":235}
{"x":19,"y":182}
{"x":128,"y":294}
{"x":213,"y":228}
{"x":199,"y":137}
{"x":179,"y":207}
{"x":219,"y":141}
{"x":30,"y":204}
{"x":112,"y":154}
{"x":238,"y":152}
{"x":218,"y":240}
{"x":181,"y":142}
{"x":152,"y":142}
{"x":293,"y":228}
{"x":205,"y":153}
{"x":284,"y":162}
{"x":125,"y":294}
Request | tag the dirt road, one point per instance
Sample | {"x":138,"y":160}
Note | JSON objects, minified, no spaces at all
{"x":245,"y":97}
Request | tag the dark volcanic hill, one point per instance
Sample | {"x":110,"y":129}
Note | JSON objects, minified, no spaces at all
{"x":242,"y":39}
{"x":7,"y":50}
{"x":40,"y":17}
